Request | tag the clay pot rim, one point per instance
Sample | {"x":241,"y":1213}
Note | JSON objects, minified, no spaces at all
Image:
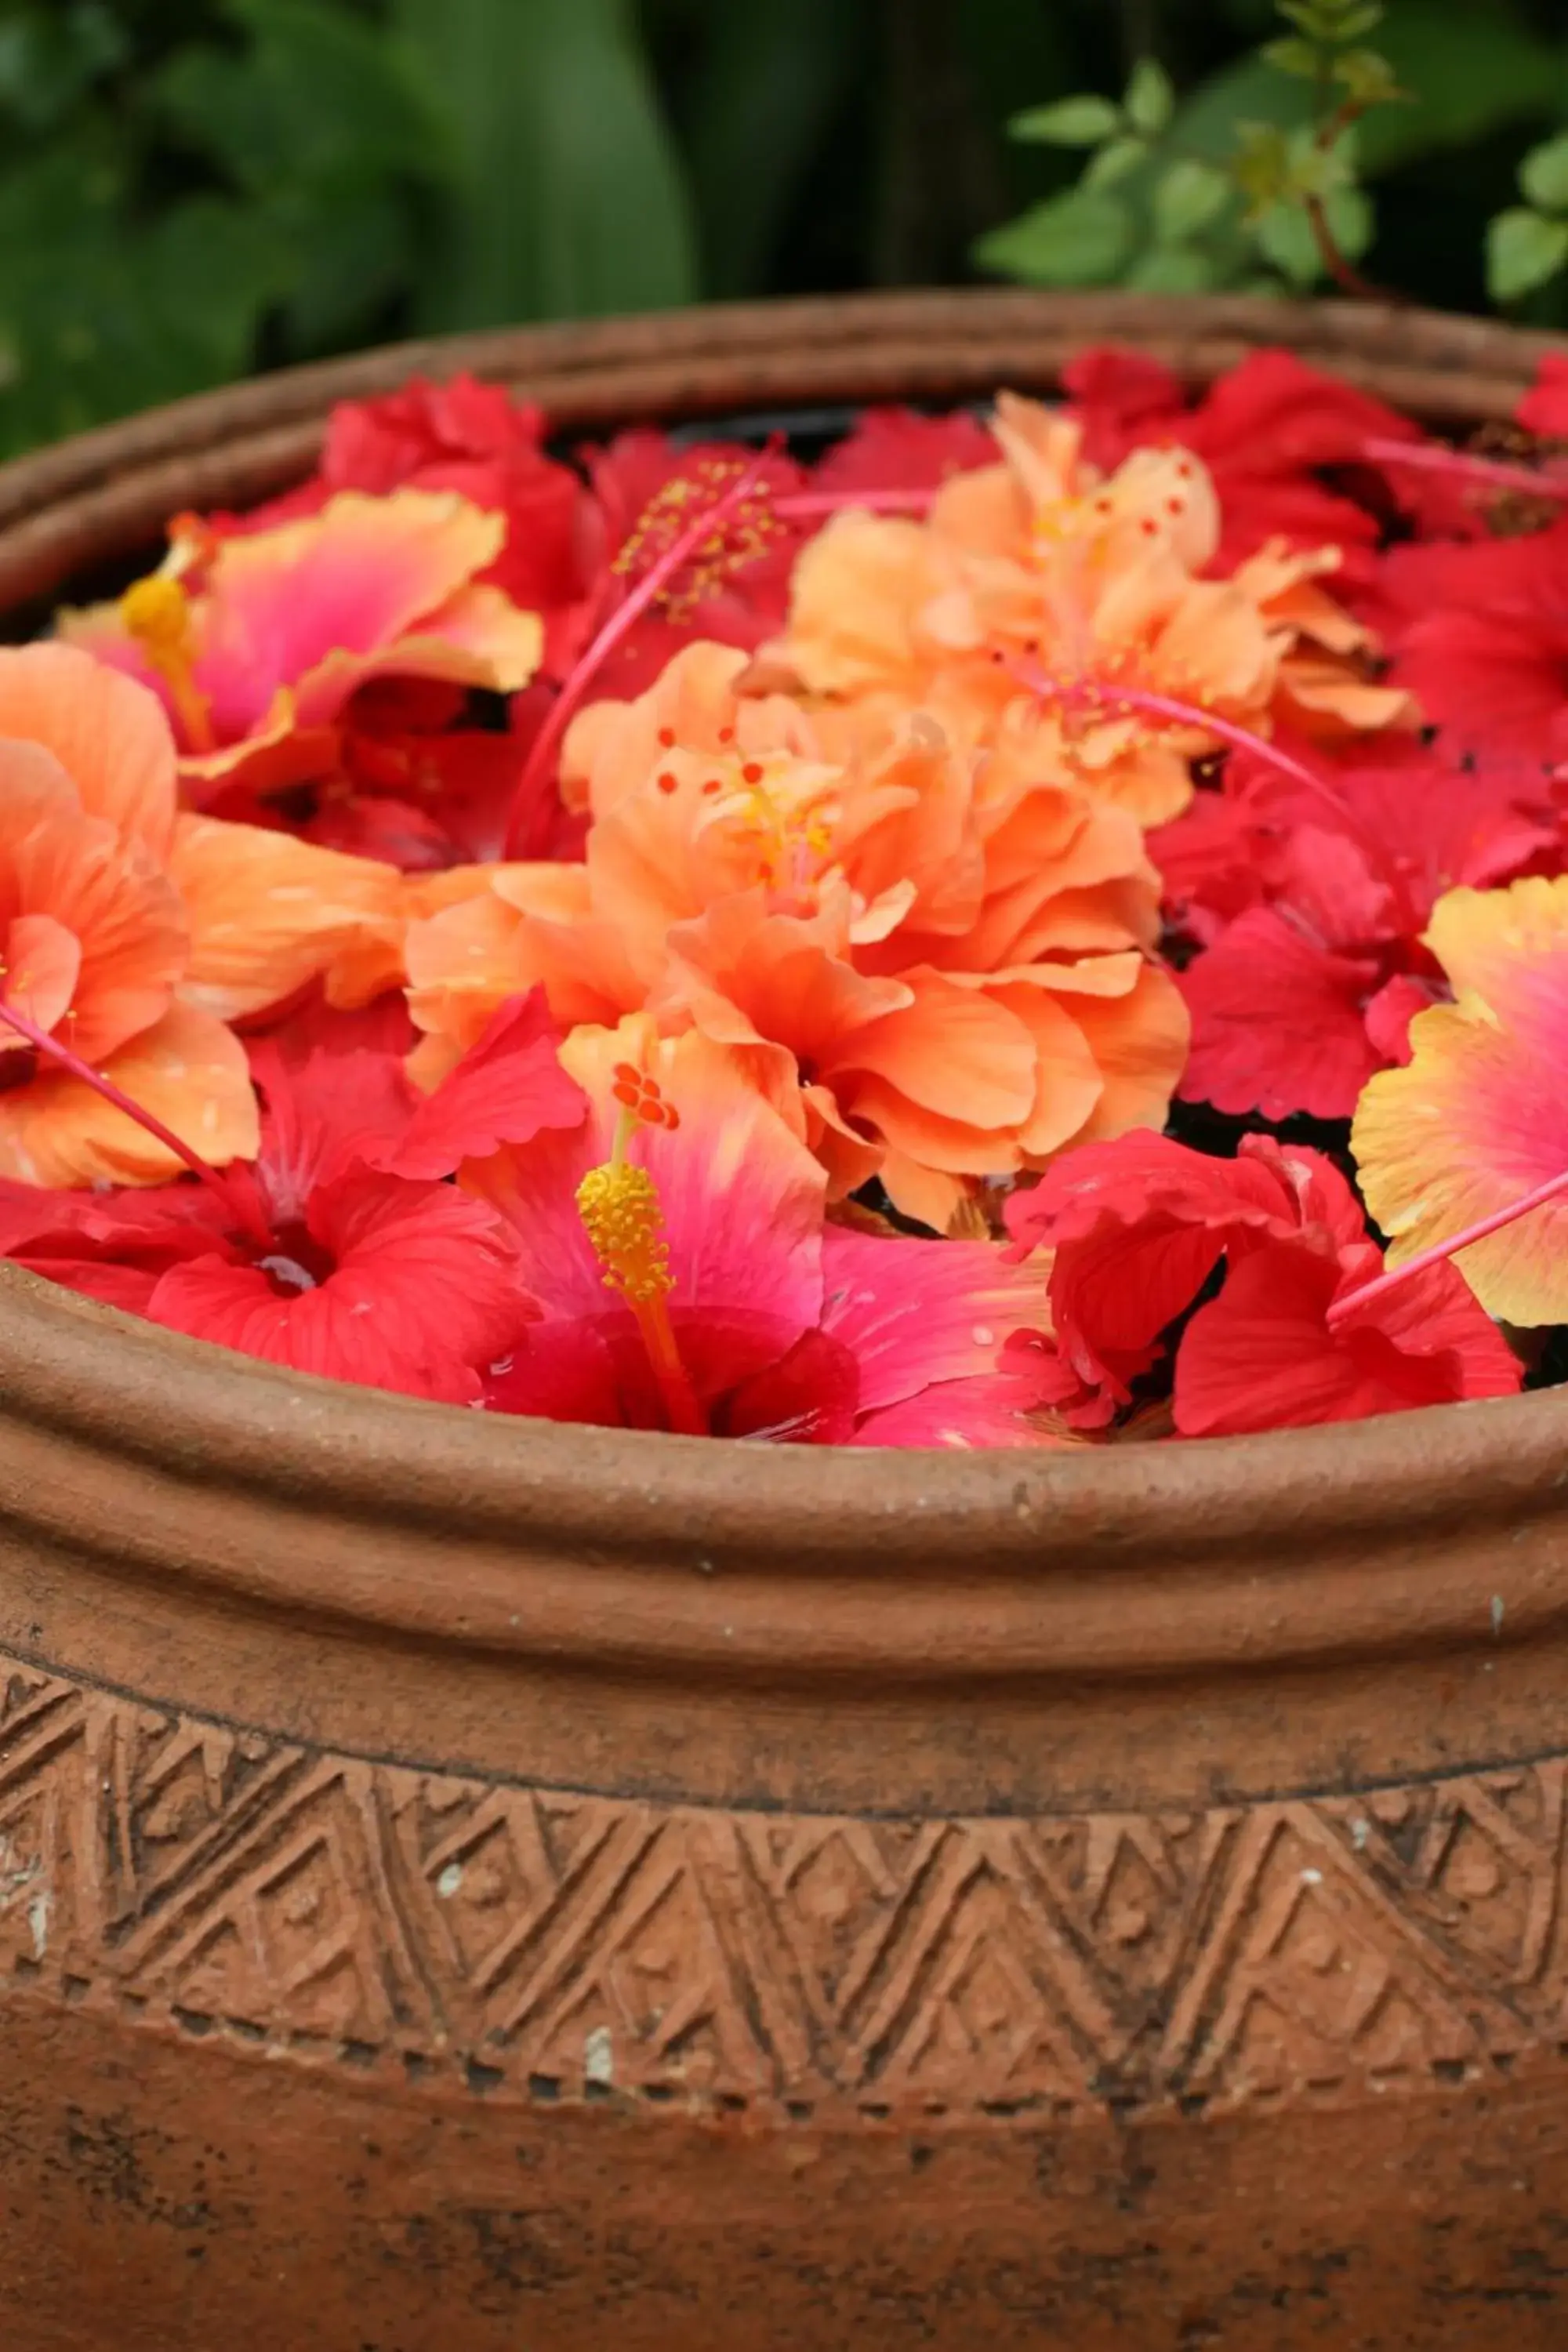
{"x":130,"y":1387}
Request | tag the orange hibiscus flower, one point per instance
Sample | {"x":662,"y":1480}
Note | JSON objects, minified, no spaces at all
{"x":256,"y":644}
{"x":939,"y":957}
{"x":1039,"y":563}
{"x":133,"y":934}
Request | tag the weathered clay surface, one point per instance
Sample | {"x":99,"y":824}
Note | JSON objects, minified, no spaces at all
{"x":466,"y":1888}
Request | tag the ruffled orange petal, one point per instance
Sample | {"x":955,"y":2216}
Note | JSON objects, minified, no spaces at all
{"x":1136,"y":1024}
{"x":109,"y":735}
{"x":268,"y":913}
{"x":125,"y":916}
{"x":374,"y":961}
{"x":858,"y":589}
{"x":40,"y":965}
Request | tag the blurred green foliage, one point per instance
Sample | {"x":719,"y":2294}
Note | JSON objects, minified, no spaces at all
{"x":1266,"y":176}
{"x":190,"y":189}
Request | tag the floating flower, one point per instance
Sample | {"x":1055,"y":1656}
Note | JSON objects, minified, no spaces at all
{"x":1095,"y":584}
{"x":945,"y":957}
{"x":339,"y":1249}
{"x":1312,"y":908}
{"x":1280,"y":440}
{"x":134,"y":934}
{"x":1477,"y":1120}
{"x":676,"y":1245}
{"x":1545,"y":408}
{"x":475,"y":442}
{"x":1138,"y":1230}
{"x":257,"y":644}
{"x":1479,"y":635}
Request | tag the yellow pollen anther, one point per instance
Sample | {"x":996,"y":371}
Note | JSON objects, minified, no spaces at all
{"x":156,"y":611}
{"x":620,"y":1207}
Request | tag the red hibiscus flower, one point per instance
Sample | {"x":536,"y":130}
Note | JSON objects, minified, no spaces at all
{"x":1138,"y":1228}
{"x":892,"y":455}
{"x":1310,"y":911}
{"x":1480,"y":635}
{"x":1281,"y":440}
{"x":340,"y":1250}
{"x":1545,"y":408}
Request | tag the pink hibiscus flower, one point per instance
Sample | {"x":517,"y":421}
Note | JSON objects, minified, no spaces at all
{"x":677,"y":1245}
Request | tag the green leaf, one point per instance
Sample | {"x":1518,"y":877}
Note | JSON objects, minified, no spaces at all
{"x":1173,"y":269}
{"x":1291,"y":57}
{"x":1524,"y":250}
{"x":1315,"y":17}
{"x":1070,"y":122}
{"x":318,"y":121}
{"x":1261,"y":166}
{"x":1151,"y":100}
{"x":1352,"y":23}
{"x":1188,"y":196}
{"x":1113,"y":161}
{"x":568,"y":197}
{"x":1543,"y":175}
{"x":1082,"y":237}
{"x":314,"y":95}
{"x":99,"y":316}
{"x":1367,"y":78}
{"x":1473,"y":72}
{"x":51,"y":56}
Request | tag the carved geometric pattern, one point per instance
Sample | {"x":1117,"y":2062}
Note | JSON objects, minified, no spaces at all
{"x":544,"y":1944}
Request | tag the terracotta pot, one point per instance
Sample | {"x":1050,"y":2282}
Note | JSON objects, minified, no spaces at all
{"x":471,"y":1886}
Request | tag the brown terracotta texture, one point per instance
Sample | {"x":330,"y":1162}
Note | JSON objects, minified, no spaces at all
{"x":468,"y":1887}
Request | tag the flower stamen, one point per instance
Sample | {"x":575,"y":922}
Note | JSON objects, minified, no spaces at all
{"x":624,"y":1219}
{"x":156,"y":611}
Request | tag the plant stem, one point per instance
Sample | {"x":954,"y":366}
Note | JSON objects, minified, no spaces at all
{"x":1344,"y":272}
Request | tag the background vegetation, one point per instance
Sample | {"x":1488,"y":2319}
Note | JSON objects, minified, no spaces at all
{"x":190,"y":189}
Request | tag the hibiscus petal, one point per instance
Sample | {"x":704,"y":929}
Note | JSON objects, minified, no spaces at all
{"x":807,"y":1398}
{"x":424,"y":1291}
{"x":1278,"y":1026}
{"x":959,"y":1416}
{"x":109,"y":734}
{"x":914,"y":1313}
{"x":269,"y":914}
{"x":505,"y":1089}
{"x":1261,"y":1356}
{"x":187,"y":1069}
{"x":1478,"y":1119}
